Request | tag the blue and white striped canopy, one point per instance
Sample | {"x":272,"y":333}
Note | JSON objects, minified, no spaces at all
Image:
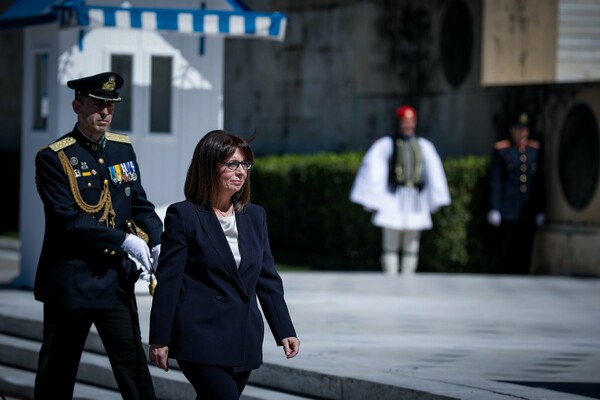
{"x":208,"y":22}
{"x":236,"y":22}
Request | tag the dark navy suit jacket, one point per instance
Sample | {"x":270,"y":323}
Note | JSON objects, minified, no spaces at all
{"x":205,"y":308}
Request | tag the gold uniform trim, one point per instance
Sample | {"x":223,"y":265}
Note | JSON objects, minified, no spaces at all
{"x":62,"y":144}
{"x":105,"y":202}
{"x":503,"y":144}
{"x":117,"y":137}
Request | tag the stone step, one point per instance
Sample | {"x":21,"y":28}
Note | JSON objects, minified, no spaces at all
{"x":18,"y":383}
{"x":20,"y":354}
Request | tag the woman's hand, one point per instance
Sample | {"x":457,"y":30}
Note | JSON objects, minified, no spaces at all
{"x":291,"y":346}
{"x":159,"y":355}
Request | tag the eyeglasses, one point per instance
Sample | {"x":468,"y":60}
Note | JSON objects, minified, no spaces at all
{"x":233,"y":165}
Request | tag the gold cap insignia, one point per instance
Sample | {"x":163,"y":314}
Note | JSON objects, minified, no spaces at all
{"x":110,"y":84}
{"x":523,"y":119}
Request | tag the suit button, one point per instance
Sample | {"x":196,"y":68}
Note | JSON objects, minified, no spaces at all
{"x":101,"y":160}
{"x":112,"y":253}
{"x":106,"y":251}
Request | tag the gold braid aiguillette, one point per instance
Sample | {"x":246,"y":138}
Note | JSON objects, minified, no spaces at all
{"x":104,"y":204}
{"x":152,"y":285}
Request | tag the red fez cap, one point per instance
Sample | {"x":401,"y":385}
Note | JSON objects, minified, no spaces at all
{"x":405,"y":112}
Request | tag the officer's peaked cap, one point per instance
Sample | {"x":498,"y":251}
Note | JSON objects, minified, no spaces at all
{"x":103,"y":86}
{"x":520,"y":119}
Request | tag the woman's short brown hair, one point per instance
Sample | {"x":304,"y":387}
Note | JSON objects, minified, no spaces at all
{"x":202,"y":180}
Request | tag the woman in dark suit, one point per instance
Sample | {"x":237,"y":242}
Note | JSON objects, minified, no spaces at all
{"x":215,"y":261}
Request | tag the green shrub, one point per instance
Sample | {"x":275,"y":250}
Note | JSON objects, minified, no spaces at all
{"x":459,"y":241}
{"x":310,"y":218}
{"x":312,"y":222}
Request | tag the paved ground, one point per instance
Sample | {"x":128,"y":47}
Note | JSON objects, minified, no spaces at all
{"x":464,"y":336}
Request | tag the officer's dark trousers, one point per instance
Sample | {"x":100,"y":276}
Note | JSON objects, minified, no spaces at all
{"x":65,"y":332}
{"x":213,"y":382}
{"x":515,"y":245}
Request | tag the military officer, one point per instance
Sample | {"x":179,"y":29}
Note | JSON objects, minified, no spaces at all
{"x":517,"y":199}
{"x":97,"y":219}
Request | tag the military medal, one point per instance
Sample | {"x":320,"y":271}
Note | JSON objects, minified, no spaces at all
{"x":124,"y":172}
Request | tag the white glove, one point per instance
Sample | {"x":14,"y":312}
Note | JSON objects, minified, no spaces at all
{"x":540,"y":218}
{"x":494,"y":218}
{"x":155,"y":254}
{"x":137,"y":249}
{"x":145,"y":276}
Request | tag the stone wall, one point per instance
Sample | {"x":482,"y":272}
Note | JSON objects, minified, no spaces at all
{"x":344,"y":67}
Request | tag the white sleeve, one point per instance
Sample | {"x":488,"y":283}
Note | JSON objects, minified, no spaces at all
{"x":436,"y":185}
{"x":370,"y":183}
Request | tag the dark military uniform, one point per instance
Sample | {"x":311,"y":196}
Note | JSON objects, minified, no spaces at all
{"x":82,"y":265}
{"x":516,"y":183}
{"x":92,"y":195}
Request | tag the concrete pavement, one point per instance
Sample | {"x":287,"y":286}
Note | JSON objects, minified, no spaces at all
{"x":429,"y":336}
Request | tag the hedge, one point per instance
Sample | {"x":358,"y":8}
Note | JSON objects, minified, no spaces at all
{"x":313,"y":224}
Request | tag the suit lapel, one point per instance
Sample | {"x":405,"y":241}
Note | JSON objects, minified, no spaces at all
{"x":211,"y":226}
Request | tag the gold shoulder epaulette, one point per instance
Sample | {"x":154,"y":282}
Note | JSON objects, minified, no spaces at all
{"x":534,"y":143}
{"x":503,"y":144}
{"x":62,"y":144}
{"x":117,"y":137}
